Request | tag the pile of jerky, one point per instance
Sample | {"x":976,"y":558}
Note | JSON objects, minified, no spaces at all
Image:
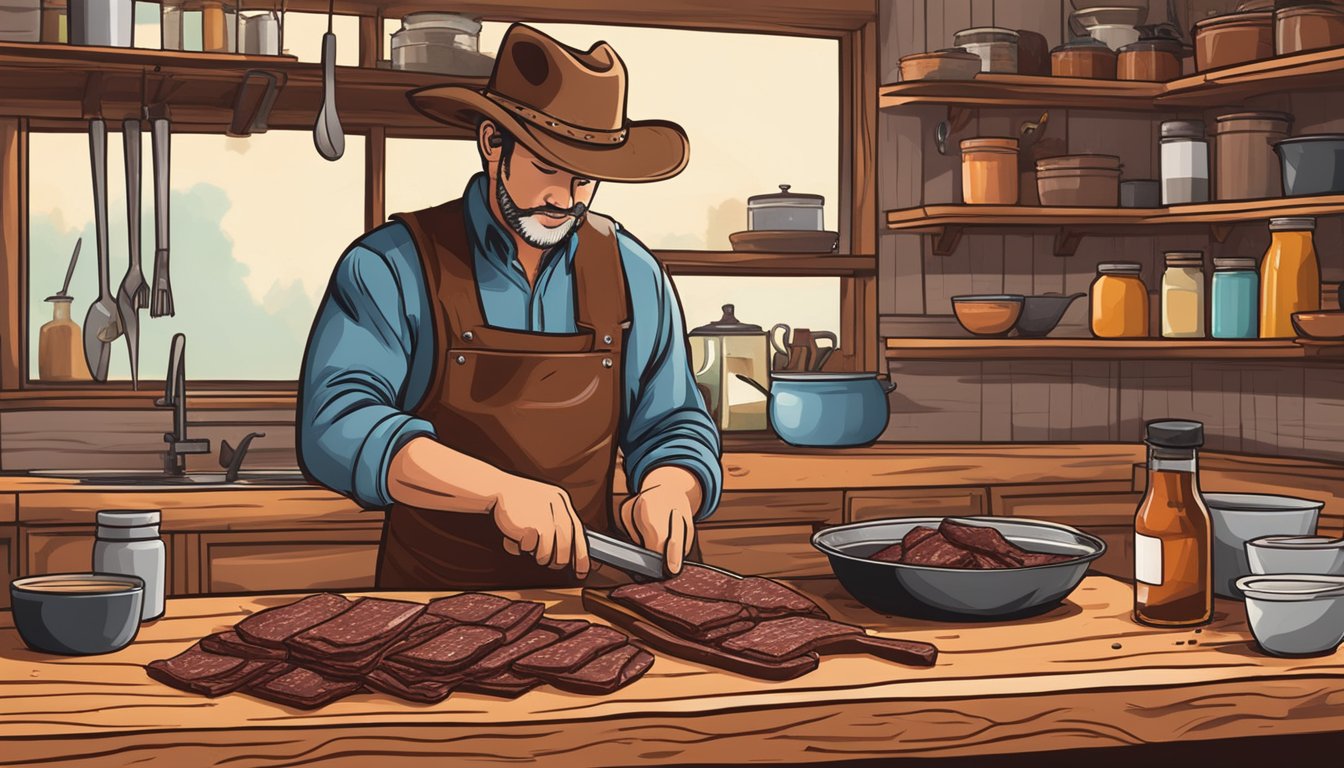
{"x":324,"y":647}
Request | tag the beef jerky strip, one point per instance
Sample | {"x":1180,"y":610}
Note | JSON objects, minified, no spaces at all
{"x":917,"y":534}
{"x":409,"y":675}
{"x":903,"y":651}
{"x":571,"y":653}
{"x":273,"y":626}
{"x":500,"y":659}
{"x":607,"y":673}
{"x":504,"y":685}
{"x":1043,"y":558}
{"x":468,"y":607}
{"x":340,"y":668}
{"x":200,"y":671}
{"x":724,"y":632}
{"x":762,"y":597}
{"x":891,"y":554}
{"x":983,"y":539}
{"x":303,"y":688}
{"x":372,"y":624}
{"x":517,"y":620}
{"x":452,"y":650}
{"x":564,"y":627}
{"x":786,"y":638}
{"x":679,"y":613}
{"x":424,"y":691}
{"x":938,"y":552}
{"x":229,"y":643}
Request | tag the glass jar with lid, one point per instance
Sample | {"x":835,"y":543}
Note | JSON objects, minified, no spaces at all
{"x":1183,"y":295}
{"x":785,"y":210}
{"x":1119,"y":301}
{"x":1290,"y":276}
{"x":1185,"y":162}
{"x":1236,"y":299}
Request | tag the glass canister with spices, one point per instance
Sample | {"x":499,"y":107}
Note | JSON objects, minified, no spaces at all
{"x":1183,"y":295}
{"x":1290,"y":276}
{"x":1236,"y":299}
{"x":1185,"y":162}
{"x":1119,"y":301}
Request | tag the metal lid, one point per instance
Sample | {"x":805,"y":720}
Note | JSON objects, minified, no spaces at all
{"x":1174,"y":256}
{"x":951,"y":54}
{"x":728,"y":325}
{"x":785,"y":197}
{"x":1183,"y":129}
{"x":128,"y":518}
{"x":1234,"y":262}
{"x":1175,"y":433}
{"x":1278,"y":116}
{"x":1120,"y":268}
{"x":985,"y":35}
{"x":1292,"y":224}
{"x":454,"y":22}
{"x":1002,"y":143}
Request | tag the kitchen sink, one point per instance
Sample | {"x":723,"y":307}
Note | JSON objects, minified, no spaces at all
{"x":260,"y":477}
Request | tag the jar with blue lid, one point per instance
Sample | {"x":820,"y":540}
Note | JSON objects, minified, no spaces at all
{"x":1236,"y":298}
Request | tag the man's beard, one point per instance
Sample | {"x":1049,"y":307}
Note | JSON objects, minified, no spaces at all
{"x":528,"y":224}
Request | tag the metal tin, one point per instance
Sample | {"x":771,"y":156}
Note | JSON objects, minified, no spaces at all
{"x":127,"y":543}
{"x":996,"y":47}
{"x":785,"y":210}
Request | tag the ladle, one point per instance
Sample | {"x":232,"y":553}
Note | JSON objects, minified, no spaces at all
{"x":328,"y":135}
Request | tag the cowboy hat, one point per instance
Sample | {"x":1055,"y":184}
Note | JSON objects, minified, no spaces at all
{"x":565,"y":105}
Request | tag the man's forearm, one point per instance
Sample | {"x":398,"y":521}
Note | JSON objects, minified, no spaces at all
{"x":679,"y":478}
{"x":427,"y":474}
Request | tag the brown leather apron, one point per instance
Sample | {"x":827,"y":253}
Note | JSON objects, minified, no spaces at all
{"x":544,"y":406}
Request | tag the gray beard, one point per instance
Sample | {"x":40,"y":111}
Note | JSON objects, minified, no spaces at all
{"x":529,"y":226}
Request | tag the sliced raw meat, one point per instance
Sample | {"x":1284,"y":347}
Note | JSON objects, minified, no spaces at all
{"x":424,"y":691}
{"x":719,"y":633}
{"x":564,"y":627}
{"x":516,"y":620}
{"x":451,"y":650}
{"x":468,"y":607}
{"x":990,"y":562}
{"x":201,"y":671}
{"x":917,"y":534}
{"x":370,"y":625}
{"x":571,"y":653}
{"x":705,"y":583}
{"x":902,"y":651}
{"x":762,"y":597}
{"x":786,"y":638}
{"x":501,"y":658}
{"x":352,"y":668}
{"x":303,"y":688}
{"x":678,"y":612}
{"x":273,"y":626}
{"x":891,"y":554}
{"x":612,"y":670}
{"x":504,"y":685}
{"x":938,"y":552}
{"x":1043,"y":558}
{"x":981,"y":538}
{"x":229,"y":643}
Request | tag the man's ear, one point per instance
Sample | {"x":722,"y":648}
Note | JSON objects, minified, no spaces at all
{"x":488,"y":141}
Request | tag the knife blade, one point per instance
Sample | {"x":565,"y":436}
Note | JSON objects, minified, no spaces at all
{"x":633,"y":558}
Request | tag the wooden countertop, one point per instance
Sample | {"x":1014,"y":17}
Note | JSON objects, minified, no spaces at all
{"x":1049,"y":683}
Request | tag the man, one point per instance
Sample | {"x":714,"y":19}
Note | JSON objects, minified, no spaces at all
{"x":474,"y":366}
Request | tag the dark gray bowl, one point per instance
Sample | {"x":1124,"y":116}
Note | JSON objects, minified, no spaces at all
{"x":77,"y":623}
{"x":1312,"y":165}
{"x":1040,"y":314}
{"x":955,"y":594}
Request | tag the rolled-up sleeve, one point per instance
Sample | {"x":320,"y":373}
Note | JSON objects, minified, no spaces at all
{"x":665,"y":419}
{"x":355,"y":370}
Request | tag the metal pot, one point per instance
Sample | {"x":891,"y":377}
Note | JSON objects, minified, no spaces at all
{"x":785,"y":210}
{"x":826,"y":410}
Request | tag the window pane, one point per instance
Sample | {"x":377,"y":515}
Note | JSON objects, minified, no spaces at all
{"x":257,"y":224}
{"x":425,"y":172}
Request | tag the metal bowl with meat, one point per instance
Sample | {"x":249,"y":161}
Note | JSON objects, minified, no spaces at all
{"x":978,"y":568}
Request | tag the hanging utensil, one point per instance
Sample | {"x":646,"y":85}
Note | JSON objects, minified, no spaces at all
{"x":133,"y":295}
{"x":328,"y":135}
{"x":102,"y":325}
{"x":161,"y":296}
{"x":69,"y":272}
{"x":940,"y":135}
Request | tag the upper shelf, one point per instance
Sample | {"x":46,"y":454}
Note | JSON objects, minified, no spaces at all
{"x":1110,"y":349}
{"x":1229,"y":86}
{"x":743,"y":263}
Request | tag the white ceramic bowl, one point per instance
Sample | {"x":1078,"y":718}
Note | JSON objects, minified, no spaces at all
{"x":1295,"y":614}
{"x":1319,"y":555}
{"x":1239,"y":517}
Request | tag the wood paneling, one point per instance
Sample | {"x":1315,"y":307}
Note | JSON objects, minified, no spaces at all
{"x":777,"y":551}
{"x":13,"y":245}
{"x":917,"y":502}
{"x":268,"y":562}
{"x":737,"y":507}
{"x":194,"y":511}
{"x":9,"y":558}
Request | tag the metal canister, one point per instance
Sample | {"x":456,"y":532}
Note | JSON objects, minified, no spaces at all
{"x":128,"y":544}
{"x":785,"y":210}
{"x":1185,"y":162}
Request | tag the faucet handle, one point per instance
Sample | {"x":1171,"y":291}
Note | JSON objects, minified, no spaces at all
{"x":231,"y":458}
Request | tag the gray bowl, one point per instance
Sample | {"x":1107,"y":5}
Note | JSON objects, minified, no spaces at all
{"x":1040,"y":314}
{"x":1316,"y":555}
{"x":1295,"y":614}
{"x":956,"y":594}
{"x":1239,"y":517}
{"x":77,"y":623}
{"x":1312,"y":165}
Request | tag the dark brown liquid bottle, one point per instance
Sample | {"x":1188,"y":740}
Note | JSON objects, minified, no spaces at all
{"x":1173,"y":560}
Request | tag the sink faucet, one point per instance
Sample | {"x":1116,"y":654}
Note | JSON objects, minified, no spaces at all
{"x":175,"y":397}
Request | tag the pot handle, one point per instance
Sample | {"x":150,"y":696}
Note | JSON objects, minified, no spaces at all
{"x":758,"y":386}
{"x":782,"y":349}
{"x":889,"y":387}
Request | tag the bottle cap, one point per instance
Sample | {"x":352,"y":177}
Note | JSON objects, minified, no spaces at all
{"x":1292,"y":224}
{"x":128,"y":518}
{"x":1175,"y":433}
{"x":1182,"y":129}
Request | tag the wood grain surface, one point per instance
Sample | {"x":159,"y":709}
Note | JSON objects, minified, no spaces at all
{"x":1053,"y":682}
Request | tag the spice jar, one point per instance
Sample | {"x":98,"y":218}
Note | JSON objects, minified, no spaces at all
{"x":1247,"y":166}
{"x":128,"y":544}
{"x":1290,"y":276}
{"x":1154,"y":60}
{"x":996,"y":47}
{"x":1083,"y":57}
{"x":1236,"y":299}
{"x":1183,"y":295}
{"x":1185,"y":162}
{"x":1119,"y":302}
{"x":989,"y":171}
{"x":60,"y":352}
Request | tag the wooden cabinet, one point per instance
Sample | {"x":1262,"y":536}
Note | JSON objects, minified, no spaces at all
{"x":920,"y":502}
{"x":300,"y":560}
{"x":56,"y":549}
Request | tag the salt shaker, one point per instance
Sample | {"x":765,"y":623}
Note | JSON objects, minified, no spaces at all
{"x":127,"y":543}
{"x":1185,"y":162}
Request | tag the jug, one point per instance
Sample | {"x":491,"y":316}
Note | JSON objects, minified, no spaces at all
{"x":720,"y":352}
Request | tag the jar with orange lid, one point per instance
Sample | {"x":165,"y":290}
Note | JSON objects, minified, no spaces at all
{"x":1290,"y":276}
{"x":989,"y":171}
{"x":1119,"y":301}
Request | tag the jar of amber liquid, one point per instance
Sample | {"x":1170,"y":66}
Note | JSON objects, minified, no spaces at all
{"x":1173,"y":545}
{"x":1290,"y":276}
{"x":1119,"y":302}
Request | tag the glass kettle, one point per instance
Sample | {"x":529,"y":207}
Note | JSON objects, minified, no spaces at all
{"x":719,"y":352}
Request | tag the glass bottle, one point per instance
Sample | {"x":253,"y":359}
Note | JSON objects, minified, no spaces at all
{"x":60,"y":354}
{"x":1183,"y":295}
{"x":1119,"y":302}
{"x":1173,"y":559}
{"x":1290,"y":276}
{"x":1236,"y":299}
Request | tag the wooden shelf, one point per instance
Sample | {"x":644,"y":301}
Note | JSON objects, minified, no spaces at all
{"x":1105,"y":349}
{"x":736,"y":263}
{"x":1070,"y":224}
{"x":1229,"y":87}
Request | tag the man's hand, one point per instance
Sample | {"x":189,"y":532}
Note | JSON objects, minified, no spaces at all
{"x":538,"y":519}
{"x":661,"y":517}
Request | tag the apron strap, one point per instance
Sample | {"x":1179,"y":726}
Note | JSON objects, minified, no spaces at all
{"x":602,"y":297}
{"x":440,"y":236}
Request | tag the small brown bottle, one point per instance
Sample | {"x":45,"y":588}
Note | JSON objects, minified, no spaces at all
{"x":1173,"y":559}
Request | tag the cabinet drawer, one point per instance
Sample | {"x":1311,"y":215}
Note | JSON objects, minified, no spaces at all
{"x":934,"y":502}
{"x":1080,"y":506}
{"x":763,"y":550}
{"x":289,"y":561}
{"x":56,"y":549}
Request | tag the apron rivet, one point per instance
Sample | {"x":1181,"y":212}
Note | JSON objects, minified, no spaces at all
{"x":606,"y":339}
{"x":461,"y":359}
{"x":606,"y":362}
{"x":468,"y":336}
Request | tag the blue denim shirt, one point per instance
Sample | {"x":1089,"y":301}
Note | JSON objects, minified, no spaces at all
{"x":371,"y":353}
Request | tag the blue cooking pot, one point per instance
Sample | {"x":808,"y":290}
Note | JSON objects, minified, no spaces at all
{"x":824,"y":409}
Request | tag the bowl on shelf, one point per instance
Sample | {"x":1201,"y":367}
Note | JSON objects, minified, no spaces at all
{"x":1295,"y":614}
{"x":785,"y":241}
{"x":1320,"y":325}
{"x":1317,"y":555}
{"x":77,"y":614}
{"x":1239,"y":517}
{"x":1312,"y":165}
{"x":990,"y":315}
{"x":947,"y":64}
{"x":1040,"y":314}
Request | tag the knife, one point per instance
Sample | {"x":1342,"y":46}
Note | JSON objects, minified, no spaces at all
{"x":633,"y":558}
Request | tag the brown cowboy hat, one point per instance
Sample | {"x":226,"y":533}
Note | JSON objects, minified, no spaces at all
{"x":567,"y":106}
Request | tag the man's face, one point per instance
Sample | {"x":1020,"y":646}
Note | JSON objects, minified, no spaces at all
{"x":539,"y":202}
